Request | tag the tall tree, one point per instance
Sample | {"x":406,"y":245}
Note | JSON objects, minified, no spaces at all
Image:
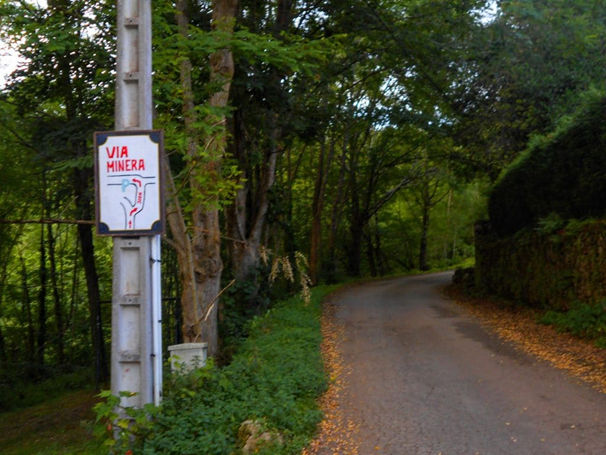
{"x":522,"y":69}
{"x":60,"y":89}
{"x":258,"y":130}
{"x":199,"y":245}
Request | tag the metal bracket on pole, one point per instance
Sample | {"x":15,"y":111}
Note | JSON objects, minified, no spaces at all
{"x":136,"y":301}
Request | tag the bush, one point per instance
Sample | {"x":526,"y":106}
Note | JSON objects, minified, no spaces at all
{"x":563,"y":173}
{"x":582,"y":320}
{"x":465,"y":278}
{"x":242,"y":302}
{"x":274,"y":380}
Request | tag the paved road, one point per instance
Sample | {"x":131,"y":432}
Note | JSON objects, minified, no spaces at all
{"x":427,"y":379}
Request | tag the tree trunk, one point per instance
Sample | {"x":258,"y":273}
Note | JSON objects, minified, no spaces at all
{"x":281,"y":233}
{"x":335,"y":219}
{"x":82,"y":180}
{"x":75,"y":285}
{"x":316,"y":217}
{"x":56,"y":294}
{"x":370,"y":254}
{"x":356,"y":223}
{"x":287,"y":225}
{"x":355,"y":248}
{"x":423,"y":244}
{"x":200,"y":257}
{"x":27,"y":307}
{"x":246,"y":221}
{"x":41,"y":339}
{"x":245,"y":239}
{"x":4,"y":263}
{"x":245,"y":260}
{"x":246,"y":243}
{"x":324,"y":165}
{"x":315,"y":240}
{"x":3,"y":356}
{"x":208,"y":267}
{"x":379,"y":254}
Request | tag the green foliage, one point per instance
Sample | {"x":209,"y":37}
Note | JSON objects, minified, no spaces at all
{"x":563,"y":173}
{"x":275,"y":379}
{"x":550,"y":224}
{"x":245,"y":299}
{"x":465,"y":278}
{"x":450,"y":234}
{"x":523,"y":70}
{"x":120,"y":428}
{"x":61,"y":92}
{"x":16,"y":393}
{"x":582,"y":320}
{"x":240,"y":303}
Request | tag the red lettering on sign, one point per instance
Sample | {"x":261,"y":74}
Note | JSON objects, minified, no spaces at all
{"x":130,"y":165}
{"x":113,"y":151}
{"x":125,"y":165}
{"x":124,"y":152}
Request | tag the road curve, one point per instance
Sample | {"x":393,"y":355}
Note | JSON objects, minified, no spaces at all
{"x":426,"y":378}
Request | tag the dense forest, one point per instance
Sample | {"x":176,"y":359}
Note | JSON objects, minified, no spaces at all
{"x":307,"y":142}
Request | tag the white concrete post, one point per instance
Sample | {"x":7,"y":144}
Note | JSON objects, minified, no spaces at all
{"x":136,"y":301}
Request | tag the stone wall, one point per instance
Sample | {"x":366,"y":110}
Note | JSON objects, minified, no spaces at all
{"x":544,"y":269}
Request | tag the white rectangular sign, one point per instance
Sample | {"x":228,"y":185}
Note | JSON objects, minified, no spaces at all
{"x":129,"y":183}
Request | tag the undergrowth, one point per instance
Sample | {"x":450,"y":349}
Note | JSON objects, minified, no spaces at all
{"x":15,"y":393}
{"x":582,"y":320}
{"x":274,"y":379}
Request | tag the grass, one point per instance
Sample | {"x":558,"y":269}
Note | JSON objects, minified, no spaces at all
{"x":51,"y":428}
{"x":275,"y":379}
{"x":17,"y":394}
{"x":469,"y":262}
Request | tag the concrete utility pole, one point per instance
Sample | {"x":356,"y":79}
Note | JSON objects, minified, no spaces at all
{"x":136,"y":362}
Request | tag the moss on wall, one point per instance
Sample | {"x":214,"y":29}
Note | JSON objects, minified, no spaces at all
{"x":542,"y":268}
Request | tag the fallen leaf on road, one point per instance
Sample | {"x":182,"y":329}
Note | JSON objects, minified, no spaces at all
{"x":518,"y":325}
{"x":337,"y":435}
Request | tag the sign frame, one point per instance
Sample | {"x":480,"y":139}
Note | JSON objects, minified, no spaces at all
{"x":158,"y":227}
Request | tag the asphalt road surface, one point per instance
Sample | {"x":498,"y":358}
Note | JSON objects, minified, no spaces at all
{"x":426,"y":378}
